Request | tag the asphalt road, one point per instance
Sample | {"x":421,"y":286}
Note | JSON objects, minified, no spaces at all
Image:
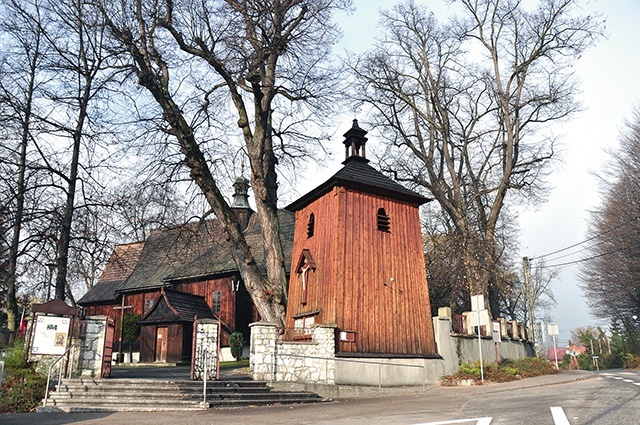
{"x":612,"y":397}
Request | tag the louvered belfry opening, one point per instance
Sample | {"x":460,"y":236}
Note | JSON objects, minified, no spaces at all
{"x":354,"y":141}
{"x":384,"y":223}
{"x":311,"y":225}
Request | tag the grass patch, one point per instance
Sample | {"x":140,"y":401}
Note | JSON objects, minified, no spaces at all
{"x":238,"y":364}
{"x":23,"y":388}
{"x":506,"y":371}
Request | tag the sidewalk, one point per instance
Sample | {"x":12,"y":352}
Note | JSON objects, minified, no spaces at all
{"x":347,"y":391}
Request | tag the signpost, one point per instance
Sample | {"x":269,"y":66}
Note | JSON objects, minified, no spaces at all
{"x":553,"y":331}
{"x":497,"y":337}
{"x":477,"y":304}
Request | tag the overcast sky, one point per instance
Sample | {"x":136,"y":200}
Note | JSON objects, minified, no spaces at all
{"x":609,"y":76}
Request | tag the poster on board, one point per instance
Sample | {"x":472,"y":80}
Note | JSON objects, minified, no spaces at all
{"x":50,"y":335}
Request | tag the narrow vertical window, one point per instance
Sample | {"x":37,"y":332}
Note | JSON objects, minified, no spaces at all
{"x":148,"y":303}
{"x":311,"y":225}
{"x":216,"y":302}
{"x":384,"y":224}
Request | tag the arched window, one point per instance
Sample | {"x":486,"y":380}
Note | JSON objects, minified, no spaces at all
{"x":311,"y":225}
{"x":384,"y":224}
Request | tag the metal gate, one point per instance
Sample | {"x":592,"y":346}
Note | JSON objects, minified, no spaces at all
{"x":107,"y":353}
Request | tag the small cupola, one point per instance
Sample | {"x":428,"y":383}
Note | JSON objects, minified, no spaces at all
{"x":354,"y":142}
{"x":240,"y":202}
{"x":241,"y":193}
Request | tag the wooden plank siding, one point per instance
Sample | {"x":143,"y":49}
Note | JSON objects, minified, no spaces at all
{"x":135,"y":299}
{"x":352,"y":285}
{"x":206,"y":289}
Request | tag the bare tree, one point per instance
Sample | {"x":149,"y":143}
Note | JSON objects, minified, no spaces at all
{"x":83,"y":71}
{"x":461,"y":106}
{"x":20,"y":70}
{"x":611,"y":268}
{"x":266,"y":62}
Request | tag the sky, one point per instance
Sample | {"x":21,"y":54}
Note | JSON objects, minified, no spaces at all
{"x":609,"y":74}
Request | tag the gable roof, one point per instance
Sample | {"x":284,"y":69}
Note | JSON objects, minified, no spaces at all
{"x":359,"y":175}
{"x":174,"y":306}
{"x":182,"y":253}
{"x":218,"y":260}
{"x":120,"y":265}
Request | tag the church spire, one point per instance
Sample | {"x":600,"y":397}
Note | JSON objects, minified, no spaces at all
{"x":354,"y":141}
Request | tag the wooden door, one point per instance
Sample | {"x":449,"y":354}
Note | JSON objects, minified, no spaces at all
{"x":108,"y":349}
{"x":162,"y":341}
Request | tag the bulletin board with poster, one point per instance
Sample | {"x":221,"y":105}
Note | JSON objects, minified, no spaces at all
{"x":50,"y":335}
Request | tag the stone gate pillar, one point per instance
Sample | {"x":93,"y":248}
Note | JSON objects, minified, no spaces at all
{"x":206,"y":349}
{"x":263,"y":351}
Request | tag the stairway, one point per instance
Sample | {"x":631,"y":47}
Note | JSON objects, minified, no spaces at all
{"x":139,"y":395}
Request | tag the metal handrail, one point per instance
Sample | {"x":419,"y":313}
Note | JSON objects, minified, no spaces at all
{"x":46,"y":392}
{"x":204,"y":390}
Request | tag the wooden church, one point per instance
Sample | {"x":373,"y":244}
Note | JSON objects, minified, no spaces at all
{"x":358,"y":262}
{"x":181,"y":272}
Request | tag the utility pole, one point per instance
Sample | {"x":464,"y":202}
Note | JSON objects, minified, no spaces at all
{"x":529,"y":299}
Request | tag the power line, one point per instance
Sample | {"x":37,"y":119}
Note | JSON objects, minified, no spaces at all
{"x":590,"y":258}
{"x":584,"y":241}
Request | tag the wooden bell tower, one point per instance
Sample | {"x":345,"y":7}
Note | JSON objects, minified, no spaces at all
{"x":358,"y":262}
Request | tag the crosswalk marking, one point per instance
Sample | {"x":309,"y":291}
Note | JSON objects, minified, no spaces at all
{"x":473,"y":421}
{"x":557,"y":413}
{"x":559,"y":418}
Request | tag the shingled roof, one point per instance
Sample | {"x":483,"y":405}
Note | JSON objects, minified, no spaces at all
{"x":174,"y":306}
{"x":196,"y":251}
{"x":120,"y":265}
{"x":359,"y":175}
{"x":218,"y":260}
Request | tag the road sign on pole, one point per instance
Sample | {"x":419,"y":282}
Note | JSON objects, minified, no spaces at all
{"x":553,"y":331}
{"x":477,"y":304}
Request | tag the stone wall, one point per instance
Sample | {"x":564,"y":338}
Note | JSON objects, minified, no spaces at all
{"x":272,"y":360}
{"x":315,"y":362}
{"x":207,"y":347}
{"x":88,"y":351}
{"x":456,"y":349}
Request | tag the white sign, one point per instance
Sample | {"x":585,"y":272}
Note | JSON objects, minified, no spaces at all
{"x":50,"y":335}
{"x":553,"y":330}
{"x":495,"y":332}
{"x":477,"y":302}
{"x":484,"y":318}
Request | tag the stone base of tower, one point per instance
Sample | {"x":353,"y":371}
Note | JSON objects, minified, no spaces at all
{"x":316,"y":362}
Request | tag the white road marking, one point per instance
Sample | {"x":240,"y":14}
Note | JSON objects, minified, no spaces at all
{"x":617,"y":377}
{"x":627,"y":380}
{"x":474,"y":421}
{"x":636,"y":383}
{"x":559,"y":418}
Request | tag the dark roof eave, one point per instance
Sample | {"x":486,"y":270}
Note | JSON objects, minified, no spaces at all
{"x":197,"y":278}
{"x":138,"y":289}
{"x":329,"y":184}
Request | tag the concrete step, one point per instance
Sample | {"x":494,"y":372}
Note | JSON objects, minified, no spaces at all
{"x":94,"y":395}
